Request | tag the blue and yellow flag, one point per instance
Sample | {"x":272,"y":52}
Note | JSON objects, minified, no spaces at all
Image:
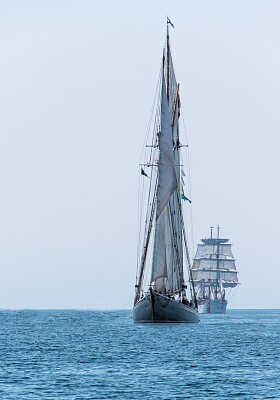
{"x":185,"y":198}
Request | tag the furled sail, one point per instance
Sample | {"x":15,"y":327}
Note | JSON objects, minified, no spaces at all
{"x":166,"y":168}
{"x":166,"y":255}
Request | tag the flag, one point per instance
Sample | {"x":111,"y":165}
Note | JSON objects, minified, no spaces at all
{"x":185,"y":198}
{"x":182,"y":181}
{"x":144,"y":173}
{"x":183,"y":173}
{"x":169,"y":22}
{"x":179,"y":106}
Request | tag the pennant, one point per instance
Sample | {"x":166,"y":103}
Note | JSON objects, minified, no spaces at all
{"x":169,"y":22}
{"x":185,"y":198}
{"x":183,"y":173}
{"x":144,"y":173}
{"x":182,"y":181}
{"x":179,"y":106}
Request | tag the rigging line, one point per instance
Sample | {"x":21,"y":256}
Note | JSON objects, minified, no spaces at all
{"x":144,"y":256}
{"x":149,"y":197}
{"x":148,"y":263}
{"x":156,"y":129}
{"x":152,"y":111}
{"x":234,"y":292}
{"x":187,"y":253}
{"x":144,"y":224}
{"x":189,"y":182}
{"x":140,"y":216}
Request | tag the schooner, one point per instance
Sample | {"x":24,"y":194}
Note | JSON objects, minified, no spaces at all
{"x":164,"y":290}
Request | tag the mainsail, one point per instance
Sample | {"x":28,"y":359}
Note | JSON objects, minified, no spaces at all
{"x":164,"y":272}
{"x":166,"y":166}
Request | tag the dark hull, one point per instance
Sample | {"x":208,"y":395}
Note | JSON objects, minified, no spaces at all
{"x":157,"y":308}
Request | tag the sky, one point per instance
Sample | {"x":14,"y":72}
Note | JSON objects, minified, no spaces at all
{"x":77,"y":82}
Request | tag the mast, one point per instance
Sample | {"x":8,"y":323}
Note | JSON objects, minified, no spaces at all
{"x":218,"y":260}
{"x":209,"y":290}
{"x":178,"y":227}
{"x":168,"y":61}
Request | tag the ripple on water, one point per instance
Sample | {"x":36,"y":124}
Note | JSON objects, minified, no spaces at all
{"x":103,"y":355}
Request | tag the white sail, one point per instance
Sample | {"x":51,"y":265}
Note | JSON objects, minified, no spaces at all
{"x":175,"y":200}
{"x":211,"y":249}
{"x":200,"y":251}
{"x":223,"y":249}
{"x":206,"y":274}
{"x":165,"y":271}
{"x":165,"y":265}
{"x":209,"y":263}
{"x":173,"y":262}
{"x":159,"y":269}
{"x":166,"y":168}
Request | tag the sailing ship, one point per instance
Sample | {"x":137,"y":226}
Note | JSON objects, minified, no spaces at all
{"x":214,"y":274}
{"x":161,"y":292}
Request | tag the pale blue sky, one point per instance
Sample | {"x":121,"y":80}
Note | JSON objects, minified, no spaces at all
{"x":77,"y":80}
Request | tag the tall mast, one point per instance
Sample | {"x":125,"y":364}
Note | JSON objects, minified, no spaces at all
{"x":168,"y":60}
{"x":218,"y":254}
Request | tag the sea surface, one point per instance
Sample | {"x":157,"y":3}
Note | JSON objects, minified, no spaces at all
{"x":103,"y":355}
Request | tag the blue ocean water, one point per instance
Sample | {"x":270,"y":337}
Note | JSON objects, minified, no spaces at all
{"x":103,"y":355}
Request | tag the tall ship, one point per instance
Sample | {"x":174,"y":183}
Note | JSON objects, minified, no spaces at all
{"x":214,"y":274}
{"x":164,"y":290}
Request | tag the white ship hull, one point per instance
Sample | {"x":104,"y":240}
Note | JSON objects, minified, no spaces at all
{"x":157,"y":308}
{"x":212,"y":307}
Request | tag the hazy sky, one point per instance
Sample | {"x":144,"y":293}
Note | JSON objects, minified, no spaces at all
{"x":77,"y":81}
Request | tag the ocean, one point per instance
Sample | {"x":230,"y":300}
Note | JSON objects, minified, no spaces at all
{"x":81,"y":355}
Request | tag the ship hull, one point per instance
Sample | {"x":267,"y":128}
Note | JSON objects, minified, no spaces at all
{"x":213,"y":307}
{"x":157,"y":308}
